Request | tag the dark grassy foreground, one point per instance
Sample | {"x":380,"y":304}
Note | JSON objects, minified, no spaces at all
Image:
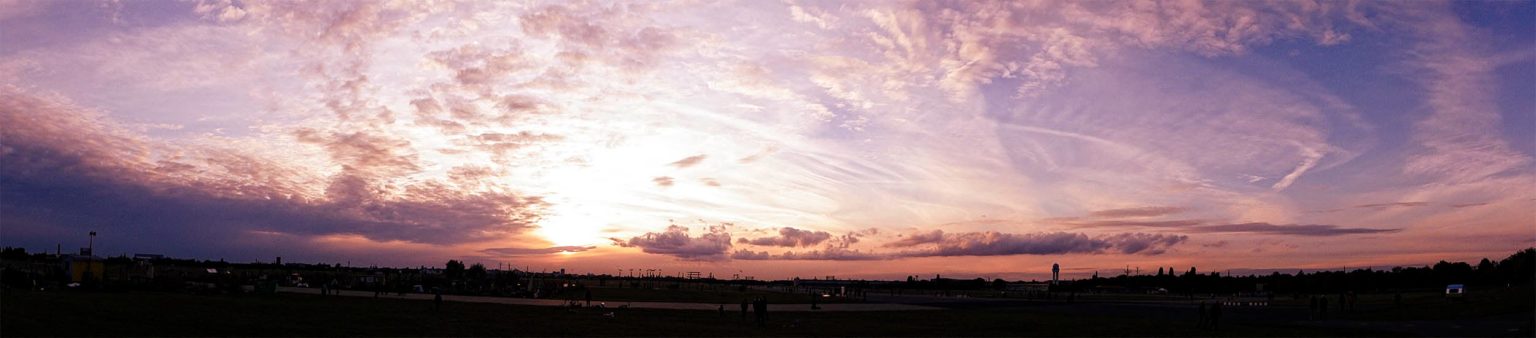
{"x":728,"y":296}
{"x":158,"y":314}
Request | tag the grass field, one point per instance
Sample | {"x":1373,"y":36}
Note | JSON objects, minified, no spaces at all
{"x":159,"y":314}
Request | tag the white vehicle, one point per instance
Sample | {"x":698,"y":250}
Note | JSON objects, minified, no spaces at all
{"x":1455,"y":290}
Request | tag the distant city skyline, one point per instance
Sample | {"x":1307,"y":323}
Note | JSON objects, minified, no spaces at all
{"x":872,"y":139}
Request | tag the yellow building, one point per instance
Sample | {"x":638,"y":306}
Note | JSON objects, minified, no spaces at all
{"x":81,"y":267}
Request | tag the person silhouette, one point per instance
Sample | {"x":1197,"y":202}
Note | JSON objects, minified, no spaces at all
{"x":1342,"y":303}
{"x":1322,"y":307}
{"x":757,"y":312}
{"x":1215,"y":315}
{"x":1203,"y":317}
{"x":743,"y":310}
{"x":1312,"y":308}
{"x":437,"y":299}
{"x":1353,"y":298}
{"x":589,"y":298}
{"x":762,"y":311}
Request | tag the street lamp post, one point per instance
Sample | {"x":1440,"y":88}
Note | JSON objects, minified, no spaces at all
{"x":90,"y":257}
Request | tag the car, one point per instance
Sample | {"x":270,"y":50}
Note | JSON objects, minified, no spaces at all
{"x":1455,"y":290}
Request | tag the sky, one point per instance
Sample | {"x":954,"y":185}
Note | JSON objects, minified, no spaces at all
{"x":773,"y":139}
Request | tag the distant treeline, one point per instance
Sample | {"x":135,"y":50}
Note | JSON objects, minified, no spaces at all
{"x":1516,"y":270}
{"x":1519,"y":269}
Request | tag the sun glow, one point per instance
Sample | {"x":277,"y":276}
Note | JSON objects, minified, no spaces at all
{"x":612,"y":187}
{"x":571,"y":229}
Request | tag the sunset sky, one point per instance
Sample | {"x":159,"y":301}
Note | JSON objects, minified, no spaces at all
{"x":873,"y":139}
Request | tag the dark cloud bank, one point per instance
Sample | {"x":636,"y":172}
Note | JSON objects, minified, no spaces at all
{"x":64,"y":171}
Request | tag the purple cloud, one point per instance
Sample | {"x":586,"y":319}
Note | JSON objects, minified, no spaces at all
{"x":1390,"y":205}
{"x":1180,"y":223}
{"x":991,"y":243}
{"x":676,"y":242}
{"x":917,"y":239}
{"x":790,"y":237}
{"x":1138,"y":212}
{"x":1150,"y":244}
{"x":64,"y":168}
{"x":534,"y":251}
{"x":827,"y":254}
{"x":1290,"y":229}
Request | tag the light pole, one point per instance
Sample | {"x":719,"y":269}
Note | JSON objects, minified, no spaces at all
{"x":90,"y":257}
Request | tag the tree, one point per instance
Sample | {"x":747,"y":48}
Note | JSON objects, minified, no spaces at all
{"x":1517,"y":269}
{"x":476,"y":272}
{"x":1159,"y":271}
{"x":454,"y":270}
{"x":14,"y":253}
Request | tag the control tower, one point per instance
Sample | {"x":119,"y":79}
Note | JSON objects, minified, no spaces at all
{"x":1055,"y":273}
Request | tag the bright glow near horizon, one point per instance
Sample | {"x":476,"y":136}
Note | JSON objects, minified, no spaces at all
{"x":858,"y":138}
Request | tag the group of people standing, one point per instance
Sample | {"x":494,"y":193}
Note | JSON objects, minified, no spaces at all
{"x":759,"y":309}
{"x":1319,"y":305}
